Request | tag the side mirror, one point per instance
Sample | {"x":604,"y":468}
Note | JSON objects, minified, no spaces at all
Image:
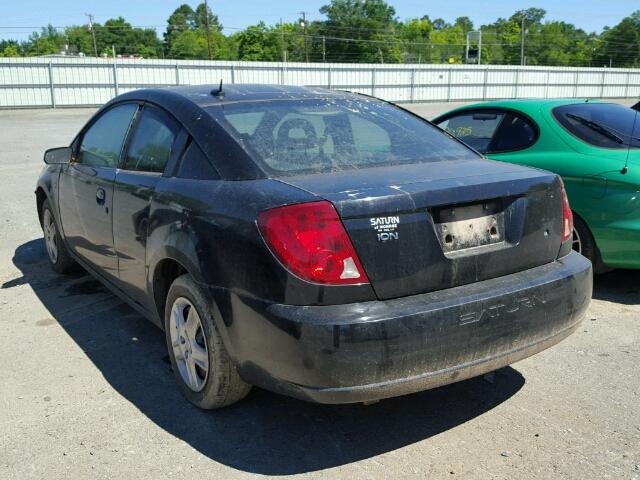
{"x":55,"y":156}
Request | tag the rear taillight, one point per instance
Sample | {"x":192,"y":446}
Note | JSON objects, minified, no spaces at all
{"x":310,"y":240}
{"x":567,"y":215}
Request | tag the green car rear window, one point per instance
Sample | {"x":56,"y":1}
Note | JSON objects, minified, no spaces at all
{"x":606,"y":125}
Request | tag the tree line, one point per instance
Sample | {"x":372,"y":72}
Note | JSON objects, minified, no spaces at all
{"x":351,"y":31}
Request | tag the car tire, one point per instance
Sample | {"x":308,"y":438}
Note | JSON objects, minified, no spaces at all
{"x":583,"y":241}
{"x":192,"y":336}
{"x":59,"y":257}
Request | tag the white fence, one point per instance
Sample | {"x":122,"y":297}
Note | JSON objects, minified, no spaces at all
{"x":67,"y":82}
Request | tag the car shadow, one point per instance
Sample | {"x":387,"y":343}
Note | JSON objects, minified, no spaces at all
{"x":266,"y":433}
{"x":619,"y":286}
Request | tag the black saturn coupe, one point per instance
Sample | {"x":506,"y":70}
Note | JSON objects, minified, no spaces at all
{"x":325,"y":245}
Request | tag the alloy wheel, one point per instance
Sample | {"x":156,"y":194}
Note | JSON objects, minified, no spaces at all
{"x":189,"y":344}
{"x":577,"y":241}
{"x":50,"y":237}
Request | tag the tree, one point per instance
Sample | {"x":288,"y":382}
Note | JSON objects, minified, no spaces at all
{"x":189,"y":44}
{"x":439,"y":24}
{"x":619,"y":46}
{"x":47,"y":42}
{"x":530,"y":15}
{"x":251,"y":43}
{"x":126,"y":40}
{"x":200,"y":18}
{"x":9,"y":48}
{"x":449,"y":45}
{"x":181,"y":20}
{"x":79,"y":39}
{"x":192,"y":44}
{"x":370,"y":25}
{"x":416,"y":35}
{"x":353,"y":31}
{"x":464,"y":23}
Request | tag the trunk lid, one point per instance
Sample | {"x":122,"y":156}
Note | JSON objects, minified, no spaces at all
{"x":425,"y":227}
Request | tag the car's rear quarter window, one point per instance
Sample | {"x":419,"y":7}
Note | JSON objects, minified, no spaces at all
{"x":606,"y":125}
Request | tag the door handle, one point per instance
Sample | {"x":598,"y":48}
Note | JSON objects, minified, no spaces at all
{"x":100,"y":196}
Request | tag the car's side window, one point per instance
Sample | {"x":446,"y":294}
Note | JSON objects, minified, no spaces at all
{"x":515,"y":133}
{"x":150,"y":147}
{"x":476,"y":129}
{"x":195,"y":165}
{"x":102,"y":143}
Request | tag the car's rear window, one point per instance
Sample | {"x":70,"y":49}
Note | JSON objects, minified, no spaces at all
{"x":607,"y":125}
{"x":288,"y":137}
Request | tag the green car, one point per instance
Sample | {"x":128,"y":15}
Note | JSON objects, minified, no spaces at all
{"x":594,"y":146}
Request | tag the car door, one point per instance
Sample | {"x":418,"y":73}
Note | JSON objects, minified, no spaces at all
{"x":152,"y":145}
{"x":86,"y":188}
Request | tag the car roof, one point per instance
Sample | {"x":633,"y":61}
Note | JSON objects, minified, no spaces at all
{"x":190,"y":104}
{"x":528,"y":105}
{"x":206,"y":95}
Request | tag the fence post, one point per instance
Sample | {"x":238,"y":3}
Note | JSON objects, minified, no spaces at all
{"x":177,"y":74}
{"x":53,"y":96}
{"x":484,"y":86}
{"x":282,"y":75}
{"x":329,"y":78}
{"x":575,"y":84}
{"x":413,"y":85}
{"x":116,"y":88}
{"x":233,"y":74}
{"x":626,"y":87}
{"x":604,"y":73}
{"x":517,"y":82}
{"x":373,"y":82}
{"x":449,"y":84}
{"x":546,"y":86}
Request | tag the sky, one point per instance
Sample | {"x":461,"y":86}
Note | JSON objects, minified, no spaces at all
{"x":20,"y":18}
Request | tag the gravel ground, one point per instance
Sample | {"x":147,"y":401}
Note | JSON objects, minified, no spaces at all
{"x":86,"y":389}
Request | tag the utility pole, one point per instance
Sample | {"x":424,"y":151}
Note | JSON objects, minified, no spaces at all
{"x":207,"y":26}
{"x":282,"y":44}
{"x":324,"y":49}
{"x":93,"y":34}
{"x":522,"y":33}
{"x":304,"y":26}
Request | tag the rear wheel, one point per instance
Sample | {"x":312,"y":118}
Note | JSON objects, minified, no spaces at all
{"x":583,"y":241}
{"x":205,"y":373}
{"x":59,"y":256}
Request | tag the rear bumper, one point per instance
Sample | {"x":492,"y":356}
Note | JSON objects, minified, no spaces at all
{"x":372,"y":350}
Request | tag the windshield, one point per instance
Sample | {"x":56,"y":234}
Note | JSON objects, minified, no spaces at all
{"x":288,"y":137}
{"x":606,"y":125}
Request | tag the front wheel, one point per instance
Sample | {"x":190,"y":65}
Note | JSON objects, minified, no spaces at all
{"x":59,"y":256}
{"x":205,"y":373}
